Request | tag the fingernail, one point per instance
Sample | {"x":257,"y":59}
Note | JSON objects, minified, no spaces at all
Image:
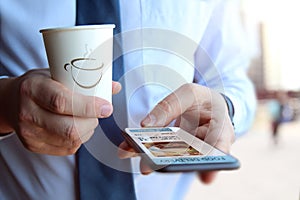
{"x":149,"y":120}
{"x":105,"y":110}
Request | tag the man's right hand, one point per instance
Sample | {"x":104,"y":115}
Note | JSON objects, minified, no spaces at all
{"x":47,"y":117}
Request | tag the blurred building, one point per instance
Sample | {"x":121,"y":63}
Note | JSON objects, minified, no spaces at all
{"x":274,"y":33}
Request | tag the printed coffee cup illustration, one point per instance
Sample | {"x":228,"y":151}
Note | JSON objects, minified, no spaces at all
{"x":85,"y":72}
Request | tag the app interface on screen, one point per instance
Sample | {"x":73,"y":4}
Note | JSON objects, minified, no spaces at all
{"x":174,"y":148}
{"x":164,"y":142}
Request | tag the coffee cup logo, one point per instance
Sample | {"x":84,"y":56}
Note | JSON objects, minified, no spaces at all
{"x":86,"y":72}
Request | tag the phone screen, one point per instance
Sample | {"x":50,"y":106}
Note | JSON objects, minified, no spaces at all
{"x":174,"y":146}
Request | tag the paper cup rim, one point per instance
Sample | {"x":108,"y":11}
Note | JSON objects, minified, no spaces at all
{"x":78,"y":27}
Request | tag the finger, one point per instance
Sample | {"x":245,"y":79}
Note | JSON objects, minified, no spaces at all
{"x":208,"y":177}
{"x":31,"y":134}
{"x":202,"y":131}
{"x":55,"y":129}
{"x":220,"y":134}
{"x":44,"y":148}
{"x":57,"y":98}
{"x":170,"y":108}
{"x":33,"y":143}
{"x":217,"y":130}
{"x":144,"y":167}
{"x":126,"y":151}
{"x":69,"y":131}
{"x":116,"y":87}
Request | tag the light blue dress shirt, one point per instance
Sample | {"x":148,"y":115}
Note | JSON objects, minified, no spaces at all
{"x":164,"y":44}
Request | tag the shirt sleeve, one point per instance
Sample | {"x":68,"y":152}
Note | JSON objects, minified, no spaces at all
{"x":222,"y":60}
{"x":8,"y":134}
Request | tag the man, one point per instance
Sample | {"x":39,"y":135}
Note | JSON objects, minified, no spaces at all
{"x":167,"y":45}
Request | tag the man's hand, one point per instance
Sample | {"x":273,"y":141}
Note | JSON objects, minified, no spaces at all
{"x":196,"y":109}
{"x":47,"y":117}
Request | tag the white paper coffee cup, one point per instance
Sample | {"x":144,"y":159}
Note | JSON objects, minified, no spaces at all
{"x":80,"y":58}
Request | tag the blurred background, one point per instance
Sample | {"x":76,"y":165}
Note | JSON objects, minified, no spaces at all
{"x":270,"y":152}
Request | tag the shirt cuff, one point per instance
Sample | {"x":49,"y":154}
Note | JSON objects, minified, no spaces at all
{"x":6,"y":135}
{"x":230,"y":107}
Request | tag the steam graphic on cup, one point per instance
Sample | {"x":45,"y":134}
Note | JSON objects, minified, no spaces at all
{"x":86,"y":72}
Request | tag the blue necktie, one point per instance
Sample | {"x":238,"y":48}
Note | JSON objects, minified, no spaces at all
{"x":104,"y":180}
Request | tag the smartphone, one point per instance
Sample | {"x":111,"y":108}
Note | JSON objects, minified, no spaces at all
{"x":171,"y":149}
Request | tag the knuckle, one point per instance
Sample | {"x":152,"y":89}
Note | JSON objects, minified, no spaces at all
{"x":58,"y":102}
{"x":91,"y":107}
{"x":25,"y":134}
{"x":87,"y":136}
{"x":76,"y":143}
{"x":165,"y":106}
{"x":28,"y":140}
{"x":87,"y":109}
{"x":72,"y":151}
{"x":25,"y":86}
{"x":33,"y":149}
{"x":95,"y":123}
{"x":24,"y":116}
{"x":188,"y":87}
{"x":71,"y":132}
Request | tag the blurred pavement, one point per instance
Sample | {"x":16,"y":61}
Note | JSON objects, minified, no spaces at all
{"x":268,"y":171}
